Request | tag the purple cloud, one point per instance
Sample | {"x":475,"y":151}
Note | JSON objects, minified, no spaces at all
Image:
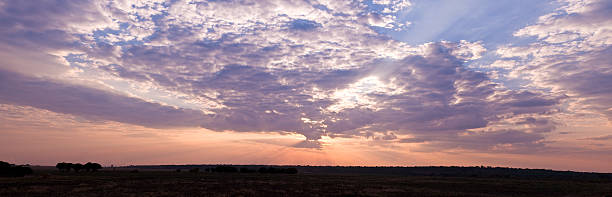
{"x":307,"y":67}
{"x":602,"y":138}
{"x":91,"y":103}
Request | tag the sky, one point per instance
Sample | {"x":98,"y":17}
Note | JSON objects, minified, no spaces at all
{"x":513,"y":83}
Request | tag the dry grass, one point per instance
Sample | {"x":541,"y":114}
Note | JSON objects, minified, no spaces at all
{"x":166,"y":183}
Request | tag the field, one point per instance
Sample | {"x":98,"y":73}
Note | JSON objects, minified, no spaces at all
{"x":152,"y":182}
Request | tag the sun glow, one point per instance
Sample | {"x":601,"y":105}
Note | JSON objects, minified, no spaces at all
{"x":360,"y":93}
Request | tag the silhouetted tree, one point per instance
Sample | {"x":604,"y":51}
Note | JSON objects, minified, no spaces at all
{"x":96,"y":166}
{"x":11,"y":170}
{"x":63,"y":166}
{"x":92,"y":167}
{"x":77,"y":167}
{"x":22,"y":170}
{"x":194,"y":170}
{"x":4,"y":164}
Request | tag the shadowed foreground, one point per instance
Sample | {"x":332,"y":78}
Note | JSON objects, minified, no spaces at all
{"x":170,"y":183}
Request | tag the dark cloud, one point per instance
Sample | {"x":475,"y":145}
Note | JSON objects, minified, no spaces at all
{"x":600,"y":138}
{"x":91,"y":103}
{"x":570,"y":56}
{"x":303,"y":25}
{"x":308,"y":144}
{"x":590,"y":77}
{"x":503,"y":141}
{"x":34,"y":35}
{"x":49,"y":15}
{"x":441,"y":99}
{"x":412,"y":140}
{"x":319,"y":74}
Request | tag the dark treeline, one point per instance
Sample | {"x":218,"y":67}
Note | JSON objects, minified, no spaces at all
{"x":443,"y":171}
{"x":12,"y":170}
{"x":233,"y":169}
{"x":222,"y":169}
{"x":273,"y":170}
{"x":89,"y":166}
{"x":458,"y":171}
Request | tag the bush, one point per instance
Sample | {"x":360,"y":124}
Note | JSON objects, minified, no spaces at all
{"x":92,"y":167}
{"x":77,"y":167}
{"x":89,"y":166}
{"x":11,"y":170}
{"x":63,"y":166}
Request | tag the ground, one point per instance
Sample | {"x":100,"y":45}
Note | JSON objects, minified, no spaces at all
{"x":172,"y":183}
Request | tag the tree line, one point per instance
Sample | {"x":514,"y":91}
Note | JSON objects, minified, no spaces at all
{"x":263,"y":170}
{"x":12,"y":170}
{"x":89,"y":166}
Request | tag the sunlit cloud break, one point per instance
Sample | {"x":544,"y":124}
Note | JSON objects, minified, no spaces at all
{"x":367,"y":72}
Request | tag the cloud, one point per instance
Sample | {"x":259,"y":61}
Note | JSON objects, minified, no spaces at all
{"x":605,"y":137}
{"x":570,"y":55}
{"x":303,"y":25}
{"x":35,"y":35}
{"x":405,"y":100}
{"x":17,"y":89}
{"x":308,"y":144}
{"x":316,"y":68}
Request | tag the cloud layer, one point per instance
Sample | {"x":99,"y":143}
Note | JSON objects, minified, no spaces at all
{"x":570,"y":55}
{"x":316,"y":68}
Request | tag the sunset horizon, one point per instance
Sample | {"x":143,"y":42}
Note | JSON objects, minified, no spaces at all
{"x":509,"y":83}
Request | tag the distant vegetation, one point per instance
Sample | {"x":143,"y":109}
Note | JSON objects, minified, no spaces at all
{"x":222,"y":169}
{"x":232,"y":169}
{"x":273,"y":170}
{"x":12,"y":170}
{"x":263,"y":180}
{"x":89,"y":166}
{"x":260,"y":180}
{"x":438,"y":171}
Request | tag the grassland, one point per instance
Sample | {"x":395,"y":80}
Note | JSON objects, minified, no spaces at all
{"x":48,"y":182}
